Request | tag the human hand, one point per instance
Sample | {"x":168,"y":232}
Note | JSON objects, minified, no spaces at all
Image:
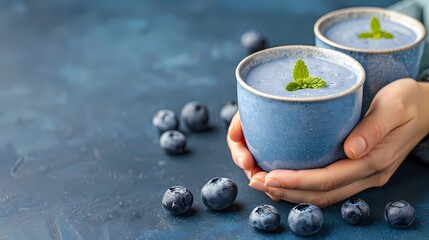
{"x":243,"y":158}
{"x":396,"y":121}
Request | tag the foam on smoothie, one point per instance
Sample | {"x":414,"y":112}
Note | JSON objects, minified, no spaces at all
{"x":345,"y":32}
{"x":272,"y":77}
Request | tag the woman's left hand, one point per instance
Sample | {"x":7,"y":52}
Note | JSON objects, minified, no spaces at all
{"x":396,"y":121}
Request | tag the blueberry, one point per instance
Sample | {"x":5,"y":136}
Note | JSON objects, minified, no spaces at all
{"x":253,"y":41}
{"x":173,"y":142}
{"x":227,"y":112}
{"x":399,"y":214}
{"x":355,"y":211}
{"x":177,"y":200}
{"x":265,"y":217}
{"x":195,"y":116}
{"x":219,"y":193}
{"x":165,"y":120}
{"x":305,"y":219}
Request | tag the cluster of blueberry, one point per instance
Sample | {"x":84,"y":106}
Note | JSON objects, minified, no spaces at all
{"x":194,"y":116}
{"x":398,"y":213}
{"x":217,"y":194}
{"x":306,"y":219}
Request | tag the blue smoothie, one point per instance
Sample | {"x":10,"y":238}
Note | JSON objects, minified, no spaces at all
{"x":272,"y":77}
{"x":345,"y":32}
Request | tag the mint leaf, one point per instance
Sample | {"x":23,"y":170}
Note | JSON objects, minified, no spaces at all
{"x":315,"y":82}
{"x":365,"y":35}
{"x":300,"y":70}
{"x":302,"y":78}
{"x":377,"y":35}
{"x":292,"y":86}
{"x":386,"y":34}
{"x":376,"y":31}
{"x":375,"y":25}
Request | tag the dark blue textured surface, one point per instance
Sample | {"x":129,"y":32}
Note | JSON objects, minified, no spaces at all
{"x":80,"y":82}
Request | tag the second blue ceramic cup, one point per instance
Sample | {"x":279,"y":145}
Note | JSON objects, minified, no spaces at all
{"x":384,"y":59}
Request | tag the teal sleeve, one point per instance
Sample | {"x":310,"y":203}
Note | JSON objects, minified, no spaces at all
{"x":419,"y":9}
{"x":410,"y":7}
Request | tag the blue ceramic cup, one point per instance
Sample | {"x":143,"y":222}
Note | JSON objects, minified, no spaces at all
{"x":303,"y":129}
{"x":384,"y":59}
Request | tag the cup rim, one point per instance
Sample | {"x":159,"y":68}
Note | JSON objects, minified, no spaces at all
{"x":413,"y":24}
{"x":258,"y":56}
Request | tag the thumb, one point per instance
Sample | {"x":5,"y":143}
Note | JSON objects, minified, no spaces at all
{"x":379,"y":121}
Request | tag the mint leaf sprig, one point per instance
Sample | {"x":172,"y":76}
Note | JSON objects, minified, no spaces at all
{"x":376,"y":31}
{"x":302,"y":78}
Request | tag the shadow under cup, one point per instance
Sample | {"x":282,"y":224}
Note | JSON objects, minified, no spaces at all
{"x":297,"y":133}
{"x":382,"y":65}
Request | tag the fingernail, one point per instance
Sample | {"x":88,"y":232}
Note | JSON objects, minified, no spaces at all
{"x":357,"y":146}
{"x":270,"y":182}
{"x":258,"y":185}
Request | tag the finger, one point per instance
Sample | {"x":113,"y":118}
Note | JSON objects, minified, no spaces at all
{"x":346,"y":171}
{"x":335,"y":175}
{"x":385,"y":163}
{"x":241,"y":155}
{"x":239,"y":152}
{"x":273,"y":198}
{"x":255,"y":171}
{"x":394,"y":148}
{"x":323,"y":199}
{"x":257,"y":181}
{"x":383,"y":116}
{"x":235,"y":132}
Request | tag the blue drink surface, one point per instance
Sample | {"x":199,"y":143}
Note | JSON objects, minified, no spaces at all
{"x":272,"y":77}
{"x":345,"y":32}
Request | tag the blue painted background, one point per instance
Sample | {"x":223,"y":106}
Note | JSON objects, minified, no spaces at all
{"x":79,"y":84}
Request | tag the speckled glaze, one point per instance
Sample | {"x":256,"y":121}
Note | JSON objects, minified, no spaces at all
{"x":381,"y":66}
{"x":290,"y":133}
